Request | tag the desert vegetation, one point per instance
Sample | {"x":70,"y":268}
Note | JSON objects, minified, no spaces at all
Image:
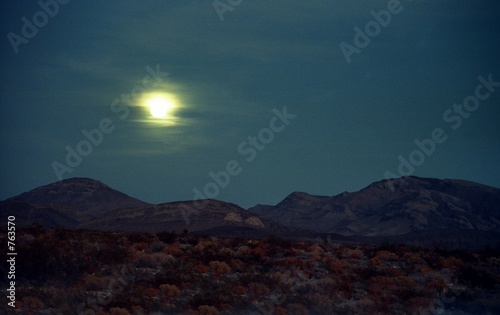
{"x":86,"y":272}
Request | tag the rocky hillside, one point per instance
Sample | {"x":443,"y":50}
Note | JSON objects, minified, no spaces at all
{"x":389,"y":208}
{"x":89,"y":204}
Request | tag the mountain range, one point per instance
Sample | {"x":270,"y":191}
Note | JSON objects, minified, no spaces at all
{"x":423,"y":211}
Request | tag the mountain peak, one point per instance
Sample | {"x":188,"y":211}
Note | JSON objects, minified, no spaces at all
{"x":298,"y":194}
{"x":74,"y":184}
{"x":393,"y":207}
{"x":299,"y":197}
{"x":85,"y":194}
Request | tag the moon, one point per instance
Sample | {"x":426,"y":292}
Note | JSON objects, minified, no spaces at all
{"x":159,"y":108}
{"x":160,"y":105}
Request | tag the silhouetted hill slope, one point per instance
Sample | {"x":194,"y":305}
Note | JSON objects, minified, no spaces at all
{"x":388,"y":208}
{"x":89,"y":204}
{"x":66,"y":203}
{"x":85,"y":194}
{"x":206,"y":217}
{"x":195,"y":215}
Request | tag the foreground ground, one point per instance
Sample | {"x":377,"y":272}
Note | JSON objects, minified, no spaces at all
{"x":84,"y":272}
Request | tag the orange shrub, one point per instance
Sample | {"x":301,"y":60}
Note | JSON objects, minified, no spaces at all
{"x":258,"y":289}
{"x":200,"y":268}
{"x":141,"y":246}
{"x":316,"y":249}
{"x":259,"y":252}
{"x":405,"y":282}
{"x":31,"y":304}
{"x":426,"y":269}
{"x":219,"y":267}
{"x":170,"y":291}
{"x":293,"y":262}
{"x":375,"y":261}
{"x":379,"y":284}
{"x":93,"y":283}
{"x":280,"y":310}
{"x":436,"y":284}
{"x":208,"y":310}
{"x":339,"y":266}
{"x":151,"y":292}
{"x":451,"y":263}
{"x":297,"y":309}
{"x":354,"y":253}
{"x":386,"y":255}
{"x":240,"y":290}
{"x":144,"y":260}
{"x":173,"y":249}
{"x":119,"y":311}
{"x":414,"y":259}
{"x":138,"y":310}
{"x":238,"y":264}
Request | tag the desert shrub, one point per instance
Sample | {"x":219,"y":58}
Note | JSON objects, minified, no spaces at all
{"x":156,"y":247}
{"x":380,"y":284}
{"x":337,"y":266}
{"x":297,"y":309}
{"x":208,"y":310}
{"x":451,"y":263}
{"x":436,"y":284}
{"x":227,"y":252}
{"x":365,"y":272}
{"x":170,"y":291}
{"x":139,"y":247}
{"x":240,"y":290}
{"x":173,"y":249}
{"x":200,"y":268}
{"x":387,"y":256}
{"x":238,"y":265}
{"x":258,"y":289}
{"x":413,"y":259}
{"x":354,"y":253}
{"x":419,"y":304}
{"x":93,"y":283}
{"x":31,"y":304}
{"x":322,"y":304}
{"x":145,"y":261}
{"x":151,"y":292}
{"x":137,"y":310}
{"x":119,"y":311}
{"x":220,"y":267}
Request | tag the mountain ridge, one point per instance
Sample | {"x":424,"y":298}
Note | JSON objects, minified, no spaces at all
{"x":84,"y":203}
{"x":392,"y":207}
{"x":398,"y":209}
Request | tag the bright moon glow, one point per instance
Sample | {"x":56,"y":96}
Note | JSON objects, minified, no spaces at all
{"x":159,"y":108}
{"x":160,"y":105}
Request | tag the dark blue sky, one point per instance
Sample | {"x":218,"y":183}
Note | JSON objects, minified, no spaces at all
{"x":351,"y":120}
